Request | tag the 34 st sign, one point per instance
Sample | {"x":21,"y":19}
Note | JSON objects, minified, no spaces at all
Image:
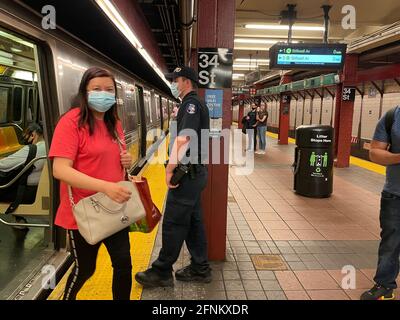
{"x":215,"y":68}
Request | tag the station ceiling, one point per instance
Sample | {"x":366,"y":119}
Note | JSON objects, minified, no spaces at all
{"x":251,"y":45}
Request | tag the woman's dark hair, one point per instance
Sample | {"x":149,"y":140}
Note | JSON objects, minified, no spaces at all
{"x":34,"y":127}
{"x":86,"y":116}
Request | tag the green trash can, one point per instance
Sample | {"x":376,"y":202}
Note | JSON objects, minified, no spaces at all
{"x":313,"y":161}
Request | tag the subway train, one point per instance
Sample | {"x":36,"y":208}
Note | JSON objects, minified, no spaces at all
{"x":317,"y":106}
{"x":39,"y":77}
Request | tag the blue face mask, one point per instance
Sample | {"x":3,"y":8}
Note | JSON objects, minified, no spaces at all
{"x":101,"y":101}
{"x":174,"y":90}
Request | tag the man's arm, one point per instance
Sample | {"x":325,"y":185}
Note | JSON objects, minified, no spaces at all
{"x":178,"y":151}
{"x":378,"y":153}
{"x":14,"y":160}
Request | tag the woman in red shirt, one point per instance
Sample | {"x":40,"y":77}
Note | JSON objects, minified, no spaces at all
{"x":86,"y":156}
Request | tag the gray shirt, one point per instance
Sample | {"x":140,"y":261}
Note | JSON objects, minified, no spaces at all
{"x":392,"y":184}
{"x":18,"y":158}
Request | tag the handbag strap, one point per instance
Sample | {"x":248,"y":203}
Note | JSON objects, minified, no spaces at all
{"x":71,"y":198}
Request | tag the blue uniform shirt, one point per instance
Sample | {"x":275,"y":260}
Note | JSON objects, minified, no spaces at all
{"x":392,"y":184}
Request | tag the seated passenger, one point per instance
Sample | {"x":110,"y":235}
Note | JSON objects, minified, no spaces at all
{"x":32,"y":135}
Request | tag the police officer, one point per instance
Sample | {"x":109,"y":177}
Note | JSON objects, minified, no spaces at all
{"x":183,"y":219}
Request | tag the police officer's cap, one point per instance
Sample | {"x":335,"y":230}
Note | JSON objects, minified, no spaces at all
{"x":187,"y":72}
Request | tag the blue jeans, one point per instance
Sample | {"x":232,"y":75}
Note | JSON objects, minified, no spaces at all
{"x":252,"y":141}
{"x":389,"y":247}
{"x":261,"y":130}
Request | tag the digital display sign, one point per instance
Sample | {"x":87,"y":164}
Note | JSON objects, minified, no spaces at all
{"x":307,"y":56}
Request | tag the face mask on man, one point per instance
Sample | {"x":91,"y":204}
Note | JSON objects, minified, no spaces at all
{"x":174,"y":90}
{"x":101,"y":101}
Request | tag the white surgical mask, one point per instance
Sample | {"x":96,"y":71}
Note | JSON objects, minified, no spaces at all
{"x":174,"y":90}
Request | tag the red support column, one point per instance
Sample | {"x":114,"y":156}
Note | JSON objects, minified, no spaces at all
{"x":344,"y":113}
{"x":284,"y":113}
{"x":216,"y":25}
{"x":240,"y":114}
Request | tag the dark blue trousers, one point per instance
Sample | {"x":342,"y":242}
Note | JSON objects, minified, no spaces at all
{"x":183,"y":221}
{"x":389,"y":247}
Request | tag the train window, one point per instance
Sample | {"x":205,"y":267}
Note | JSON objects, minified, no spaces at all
{"x":38,"y":114}
{"x":120,"y":103}
{"x":158,"y":114}
{"x":130,"y":109}
{"x":147,"y":111}
{"x":30,"y":112}
{"x":17,"y":104}
{"x":3,"y":104}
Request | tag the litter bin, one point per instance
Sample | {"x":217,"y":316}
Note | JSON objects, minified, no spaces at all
{"x":313,"y":161}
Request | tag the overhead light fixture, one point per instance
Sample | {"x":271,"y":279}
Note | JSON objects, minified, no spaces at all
{"x":244,"y":66}
{"x":260,"y":41}
{"x":251,"y":48}
{"x":16,"y":39}
{"x":15,"y":50}
{"x":264,"y":41}
{"x":255,"y":60}
{"x":237,"y":75}
{"x":6,"y":61}
{"x":283,"y":27}
{"x":111,"y":11}
{"x":22,"y":75}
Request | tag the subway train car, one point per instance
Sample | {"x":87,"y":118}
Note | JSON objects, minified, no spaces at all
{"x":39,"y":76}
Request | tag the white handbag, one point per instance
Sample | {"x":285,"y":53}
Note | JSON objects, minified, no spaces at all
{"x":99,"y":217}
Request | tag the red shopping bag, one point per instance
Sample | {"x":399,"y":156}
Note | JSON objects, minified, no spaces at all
{"x":153,"y":215}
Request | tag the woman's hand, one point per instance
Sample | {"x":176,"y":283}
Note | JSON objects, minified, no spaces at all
{"x":126,"y":159}
{"x":116,"y":192}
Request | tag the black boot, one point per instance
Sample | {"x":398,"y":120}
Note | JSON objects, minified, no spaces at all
{"x":378,"y":293}
{"x":189,"y":274}
{"x":152,"y":278}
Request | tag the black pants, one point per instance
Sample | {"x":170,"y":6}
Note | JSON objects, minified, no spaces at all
{"x":389,"y":247}
{"x":183,"y":221}
{"x":85,"y":255}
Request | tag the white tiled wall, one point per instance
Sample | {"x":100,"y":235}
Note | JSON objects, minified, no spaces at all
{"x":327,"y":106}
{"x":356,"y":115}
{"x":299,"y":111}
{"x":292,"y":115}
{"x":369,"y":114}
{"x":316,"y":110}
{"x":269,"y":109}
{"x":389,"y":101}
{"x":307,"y":111}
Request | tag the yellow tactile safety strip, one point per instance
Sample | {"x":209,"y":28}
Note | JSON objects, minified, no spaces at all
{"x":98,"y":287}
{"x":353,"y":160}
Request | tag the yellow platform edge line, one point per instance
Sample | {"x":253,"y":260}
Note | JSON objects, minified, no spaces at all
{"x":98,"y":287}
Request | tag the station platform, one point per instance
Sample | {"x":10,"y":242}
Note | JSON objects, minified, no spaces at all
{"x":279,"y":245}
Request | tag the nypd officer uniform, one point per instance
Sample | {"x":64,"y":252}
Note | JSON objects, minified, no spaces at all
{"x":183,"y":218}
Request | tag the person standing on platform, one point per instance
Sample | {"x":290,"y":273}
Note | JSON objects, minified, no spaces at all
{"x":87,"y":157}
{"x":252,"y":127}
{"x":183,"y":218}
{"x":387,"y":133}
{"x":262,"y":116}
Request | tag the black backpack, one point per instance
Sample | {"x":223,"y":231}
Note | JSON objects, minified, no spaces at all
{"x":389,"y":120}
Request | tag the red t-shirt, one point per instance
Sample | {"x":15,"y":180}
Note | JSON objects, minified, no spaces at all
{"x":96,"y":155}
